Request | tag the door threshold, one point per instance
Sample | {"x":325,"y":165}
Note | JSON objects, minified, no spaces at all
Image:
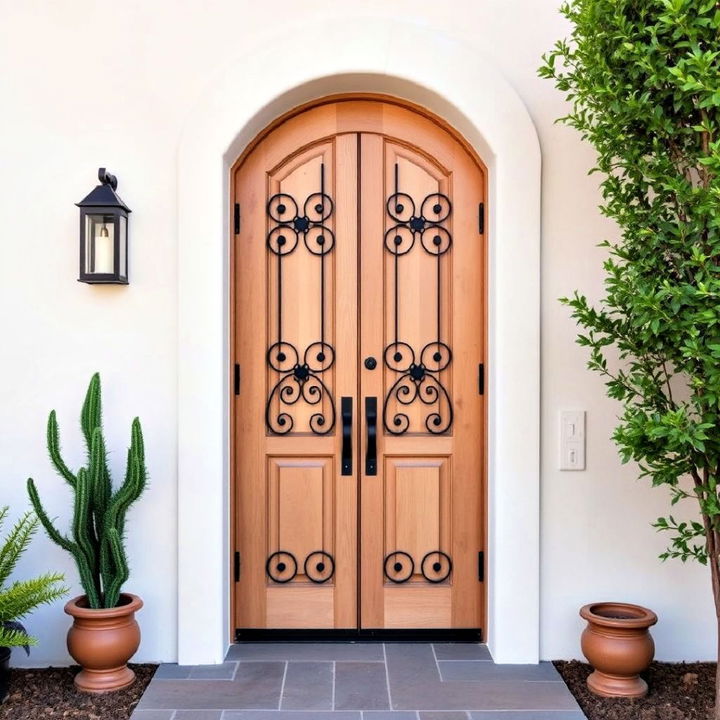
{"x":473,"y":635}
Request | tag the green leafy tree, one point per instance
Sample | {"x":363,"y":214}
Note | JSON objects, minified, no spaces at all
{"x":643,"y":81}
{"x":20,"y":597}
{"x":97,"y":536}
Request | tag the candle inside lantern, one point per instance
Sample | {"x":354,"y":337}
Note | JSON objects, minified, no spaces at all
{"x":104,"y":254}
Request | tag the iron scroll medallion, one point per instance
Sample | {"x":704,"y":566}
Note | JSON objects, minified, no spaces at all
{"x":435,"y":567}
{"x":319,"y":567}
{"x":301,"y":371}
{"x":282,"y":567}
{"x":398,"y":567}
{"x":419,"y":373}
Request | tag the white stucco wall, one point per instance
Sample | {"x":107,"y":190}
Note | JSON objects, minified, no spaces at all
{"x":155,"y":62}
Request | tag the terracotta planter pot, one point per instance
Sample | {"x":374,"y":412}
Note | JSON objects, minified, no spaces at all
{"x":102,"y":642}
{"x":617,"y":644}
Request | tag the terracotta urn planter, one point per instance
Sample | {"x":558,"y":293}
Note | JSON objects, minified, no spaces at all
{"x":102,"y":641}
{"x":619,"y":646}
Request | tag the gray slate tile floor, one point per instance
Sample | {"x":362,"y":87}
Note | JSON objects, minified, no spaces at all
{"x":357,"y":681}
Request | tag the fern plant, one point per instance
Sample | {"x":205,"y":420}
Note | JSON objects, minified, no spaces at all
{"x":98,"y":526}
{"x":22,"y":596}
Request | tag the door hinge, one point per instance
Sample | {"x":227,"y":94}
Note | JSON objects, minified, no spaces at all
{"x":481,"y":218}
{"x":481,"y":379}
{"x":236,"y":379}
{"x":481,"y":566}
{"x":236,"y":566}
{"x":236,"y":219}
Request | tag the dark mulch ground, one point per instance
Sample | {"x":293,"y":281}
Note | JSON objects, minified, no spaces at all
{"x":678,"y":691}
{"x":49,"y":693}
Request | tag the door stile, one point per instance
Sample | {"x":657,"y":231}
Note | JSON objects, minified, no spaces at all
{"x":346,"y":331}
{"x":372,"y":521}
{"x":250,"y":284}
{"x":469,"y":319}
{"x":358,"y":381}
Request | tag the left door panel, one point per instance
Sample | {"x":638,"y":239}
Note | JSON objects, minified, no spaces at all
{"x":295,"y":322}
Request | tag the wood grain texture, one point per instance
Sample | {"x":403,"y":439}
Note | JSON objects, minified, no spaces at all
{"x":412,"y":608}
{"x":298,"y":607}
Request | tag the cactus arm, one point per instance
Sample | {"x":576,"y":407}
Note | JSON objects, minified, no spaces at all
{"x":126,"y":495}
{"x":115,"y":575}
{"x":53,"y":443}
{"x":86,"y":575}
{"x":87,"y":579}
{"x":91,"y":422}
{"x":50,"y":529}
{"x":84,"y":533}
{"x":99,"y":477}
{"x":134,"y":484}
{"x":91,"y":416}
{"x":136,"y":438}
{"x":102,"y":491}
{"x":112,"y":592}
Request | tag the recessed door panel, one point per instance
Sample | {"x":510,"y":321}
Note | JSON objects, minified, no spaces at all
{"x":417,"y":518}
{"x":307,"y":547}
{"x":359,"y":329}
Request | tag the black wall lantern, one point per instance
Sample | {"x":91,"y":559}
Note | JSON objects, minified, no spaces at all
{"x":104,"y":234}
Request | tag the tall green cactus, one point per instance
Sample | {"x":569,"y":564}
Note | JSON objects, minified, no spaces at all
{"x":98,"y":526}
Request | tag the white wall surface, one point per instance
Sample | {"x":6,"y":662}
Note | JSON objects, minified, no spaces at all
{"x":85,"y":84}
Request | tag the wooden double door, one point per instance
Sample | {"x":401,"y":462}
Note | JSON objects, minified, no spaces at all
{"x":358,"y":407}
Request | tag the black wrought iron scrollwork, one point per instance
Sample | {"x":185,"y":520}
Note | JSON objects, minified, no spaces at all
{"x":399,"y":567}
{"x":419,"y":373}
{"x":300,"y":381}
{"x":301,"y":375}
{"x":319,"y":567}
{"x":436,"y":566}
{"x":281,"y":567}
{"x":419,"y":381}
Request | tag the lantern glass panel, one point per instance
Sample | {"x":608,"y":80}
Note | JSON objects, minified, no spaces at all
{"x":100,"y":244}
{"x":123,"y":246}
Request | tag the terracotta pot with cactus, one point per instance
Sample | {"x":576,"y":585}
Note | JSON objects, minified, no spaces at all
{"x":105,"y":634}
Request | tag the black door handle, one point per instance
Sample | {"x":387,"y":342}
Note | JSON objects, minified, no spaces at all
{"x":371,"y":450}
{"x":346,"y":411}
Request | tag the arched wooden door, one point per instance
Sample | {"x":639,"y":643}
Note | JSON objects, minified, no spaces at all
{"x":359,"y":343}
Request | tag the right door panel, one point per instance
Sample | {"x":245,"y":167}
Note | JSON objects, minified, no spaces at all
{"x":423,"y":320}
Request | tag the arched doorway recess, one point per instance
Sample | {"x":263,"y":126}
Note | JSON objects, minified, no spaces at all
{"x":468,"y":92}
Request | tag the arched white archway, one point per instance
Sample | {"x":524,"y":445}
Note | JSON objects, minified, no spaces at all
{"x":456,"y":82}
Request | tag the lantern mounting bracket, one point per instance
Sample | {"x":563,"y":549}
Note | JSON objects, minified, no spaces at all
{"x":107,"y":178}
